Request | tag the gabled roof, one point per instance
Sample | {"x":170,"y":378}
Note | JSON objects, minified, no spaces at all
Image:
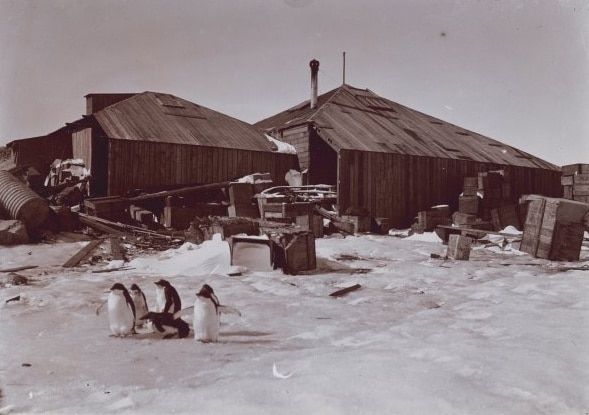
{"x":358,"y":119}
{"x":165,"y":118}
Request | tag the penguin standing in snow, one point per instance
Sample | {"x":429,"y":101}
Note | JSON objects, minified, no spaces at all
{"x":140,"y":304}
{"x":168,"y":324}
{"x":206,"y":315}
{"x":121,"y":311}
{"x":166,"y":297}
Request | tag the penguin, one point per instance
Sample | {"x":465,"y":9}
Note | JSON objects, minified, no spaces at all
{"x":206,"y":315}
{"x":166,"y":297}
{"x":121,"y":311}
{"x":140,"y":304}
{"x":168,"y":324}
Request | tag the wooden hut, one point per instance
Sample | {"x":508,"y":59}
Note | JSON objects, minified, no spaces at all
{"x":395,"y":161}
{"x":155,"y":141}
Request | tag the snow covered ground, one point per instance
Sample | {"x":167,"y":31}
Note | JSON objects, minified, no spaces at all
{"x":503,"y":333}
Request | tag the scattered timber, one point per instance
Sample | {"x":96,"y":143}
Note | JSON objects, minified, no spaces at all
{"x":82,"y":253}
{"x":344,"y":291}
{"x":345,"y":227}
{"x":16,"y":269}
{"x":181,"y":191}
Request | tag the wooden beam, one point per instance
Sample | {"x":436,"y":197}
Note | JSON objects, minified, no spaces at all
{"x":82,"y":253}
{"x":183,"y":190}
{"x":344,"y":291}
{"x":18,"y":268}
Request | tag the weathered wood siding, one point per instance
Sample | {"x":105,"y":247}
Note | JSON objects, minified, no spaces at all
{"x":140,"y":165}
{"x":40,"y":152}
{"x":89,"y":145}
{"x":399,"y":186}
{"x":298,"y":137}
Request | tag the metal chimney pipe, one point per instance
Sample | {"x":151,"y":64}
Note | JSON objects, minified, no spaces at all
{"x":314,"y":64}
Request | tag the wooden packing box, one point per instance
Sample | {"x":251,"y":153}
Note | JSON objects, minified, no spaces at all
{"x":311,"y":223}
{"x":294,"y":252}
{"x":381,"y":226}
{"x":459,"y":247}
{"x":567,"y":239}
{"x":490,"y":180}
{"x":180,"y":217}
{"x":241,"y":193}
{"x":286,"y":210}
{"x":227,"y":230}
{"x":106,"y":205}
{"x":510,"y":215}
{"x":566,"y":180}
{"x":243,"y":211}
{"x":543,"y":215}
{"x":428,"y":220}
{"x":580,"y":190}
{"x":468,"y":204}
{"x":471,"y":182}
{"x":558,"y":210}
{"x":571,"y":169}
{"x":361,"y":223}
{"x":567,"y":192}
{"x":459,"y":218}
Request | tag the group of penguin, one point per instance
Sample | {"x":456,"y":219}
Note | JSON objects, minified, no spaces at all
{"x":128,"y":310}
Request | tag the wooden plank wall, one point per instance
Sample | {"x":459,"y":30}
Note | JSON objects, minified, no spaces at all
{"x":298,"y":137}
{"x":42,"y":151}
{"x":141,"y":165}
{"x":399,"y":186}
{"x":82,"y":146}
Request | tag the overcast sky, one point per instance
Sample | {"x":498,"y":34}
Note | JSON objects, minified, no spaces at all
{"x":514,"y":70}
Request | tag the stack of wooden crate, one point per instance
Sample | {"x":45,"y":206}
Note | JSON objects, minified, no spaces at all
{"x":554,"y":228}
{"x":496,"y":191}
{"x":575,"y":181}
{"x":468,"y":201}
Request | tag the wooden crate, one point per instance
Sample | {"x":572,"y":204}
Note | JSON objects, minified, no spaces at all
{"x":226,"y":230}
{"x":243,"y":211}
{"x":510,"y":215}
{"x":106,"y":205}
{"x":311,"y":223}
{"x":459,"y":218}
{"x":459,"y":247}
{"x":286,"y":210}
{"x":241,"y":193}
{"x":428,"y":220}
{"x":294,"y":252}
{"x":361,"y":223}
{"x":571,"y":169}
{"x":567,"y":180}
{"x":566,"y":241}
{"x":468,"y":204}
{"x":541,"y":221}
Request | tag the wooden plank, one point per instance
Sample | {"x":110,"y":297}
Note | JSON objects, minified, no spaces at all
{"x":16,"y":269}
{"x":82,"y":253}
{"x":95,"y":224}
{"x":344,"y":291}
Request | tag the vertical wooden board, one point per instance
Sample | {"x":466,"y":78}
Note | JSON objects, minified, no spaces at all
{"x":532,"y":226}
{"x":343,"y":180}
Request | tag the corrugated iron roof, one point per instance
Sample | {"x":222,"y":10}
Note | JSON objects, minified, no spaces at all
{"x":165,"y":118}
{"x":358,"y":119}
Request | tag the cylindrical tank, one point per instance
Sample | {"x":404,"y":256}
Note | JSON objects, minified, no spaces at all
{"x":20,"y":202}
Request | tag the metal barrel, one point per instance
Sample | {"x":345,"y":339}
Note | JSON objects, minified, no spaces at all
{"x":20,"y":202}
